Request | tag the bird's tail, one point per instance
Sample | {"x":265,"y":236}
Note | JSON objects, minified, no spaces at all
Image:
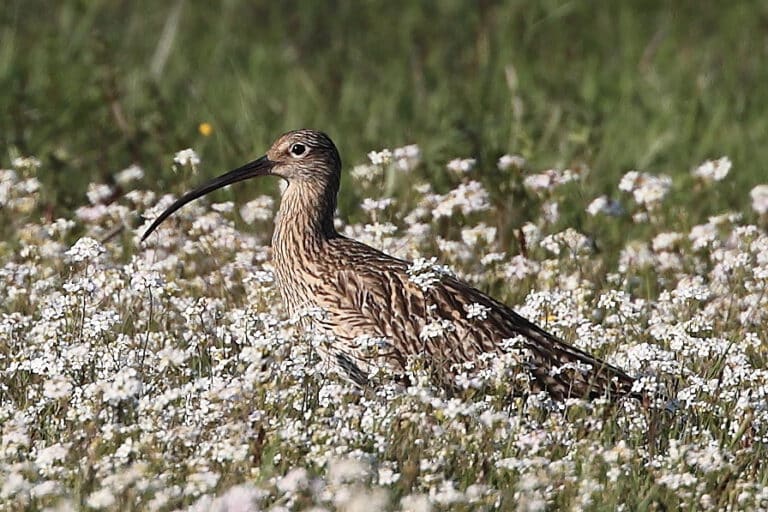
{"x":568,"y":372}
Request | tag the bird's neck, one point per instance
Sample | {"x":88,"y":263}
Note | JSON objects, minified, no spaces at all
{"x":305,"y":220}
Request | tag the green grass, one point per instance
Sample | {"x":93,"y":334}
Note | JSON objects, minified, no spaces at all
{"x":614,"y":85}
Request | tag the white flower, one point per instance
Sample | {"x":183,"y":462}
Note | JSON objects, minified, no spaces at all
{"x":7,"y":180}
{"x":759,"y":196}
{"x":13,"y":484}
{"x":647,"y":189}
{"x":583,"y":368}
{"x":707,"y":458}
{"x":713,"y":170}
{"x":702,"y":235}
{"x":471,"y":236}
{"x":293,"y":481}
{"x":49,"y":456}
{"x":541,"y":181}
{"x":201,"y":482}
{"x":364,"y":172}
{"x":570,"y":239}
{"x":519,"y":267}
{"x":81,"y":285}
{"x":46,"y":488}
{"x":387,"y":476}
{"x":550,"y":210}
{"x":91,"y":214}
{"x":471,"y":197}
{"x":605,"y":205}
{"x":26,"y":162}
{"x":240,"y":498}
{"x":382,"y":157}
{"x":666,"y":241}
{"x":652,"y":191}
{"x":143,"y":280}
{"x":677,"y":480}
{"x":492,"y":257}
{"x":225,"y":207}
{"x":85,"y":249}
{"x":28,"y":186}
{"x":103,"y":498}
{"x":379,"y":230}
{"x":426,"y":272}
{"x":360,"y":500}
{"x":447,"y":494}
{"x":415,"y":503}
{"x":476,"y":310}
{"x":370,"y":205}
{"x":57,"y":387}
{"x":258,"y":209}
{"x":531,"y":233}
{"x":124,"y":385}
{"x":509,"y":161}
{"x":345,"y":471}
{"x":99,"y":193}
{"x":725,"y":218}
{"x":635,"y":255}
{"x":60,"y":226}
{"x":549,"y":179}
{"x":411,"y":151}
{"x":132,"y":173}
{"x":435,"y":329}
{"x":171,"y":356}
{"x":370,"y":344}
{"x":407,"y":157}
{"x":461,"y":165}
{"x":629,"y":181}
{"x":187,"y":157}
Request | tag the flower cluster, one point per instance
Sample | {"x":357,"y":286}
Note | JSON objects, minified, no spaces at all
{"x":713,"y":170}
{"x":648,"y":190}
{"x":187,"y":157}
{"x":168,"y":375}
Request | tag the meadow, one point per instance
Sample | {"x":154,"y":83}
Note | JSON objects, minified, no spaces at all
{"x":598,"y":166}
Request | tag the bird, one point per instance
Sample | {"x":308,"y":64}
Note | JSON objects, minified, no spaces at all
{"x":364,"y":294}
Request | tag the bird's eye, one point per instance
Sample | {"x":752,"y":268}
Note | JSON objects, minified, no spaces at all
{"x":298,"y":149}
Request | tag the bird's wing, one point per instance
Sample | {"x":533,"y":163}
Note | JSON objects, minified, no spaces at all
{"x":380,"y":298}
{"x":560,"y":368}
{"x":357,"y":316}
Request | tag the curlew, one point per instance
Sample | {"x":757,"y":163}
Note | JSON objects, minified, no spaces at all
{"x":366,"y":294}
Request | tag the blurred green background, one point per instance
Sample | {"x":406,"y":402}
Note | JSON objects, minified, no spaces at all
{"x":92,"y":86}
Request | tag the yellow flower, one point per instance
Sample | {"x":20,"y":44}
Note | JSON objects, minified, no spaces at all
{"x":205,"y":129}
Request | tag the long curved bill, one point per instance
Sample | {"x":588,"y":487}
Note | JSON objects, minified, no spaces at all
{"x":261,"y":167}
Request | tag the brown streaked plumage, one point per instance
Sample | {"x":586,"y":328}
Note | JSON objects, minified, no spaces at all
{"x":365,"y":292}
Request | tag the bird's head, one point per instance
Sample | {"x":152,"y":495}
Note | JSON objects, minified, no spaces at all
{"x":305,"y":157}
